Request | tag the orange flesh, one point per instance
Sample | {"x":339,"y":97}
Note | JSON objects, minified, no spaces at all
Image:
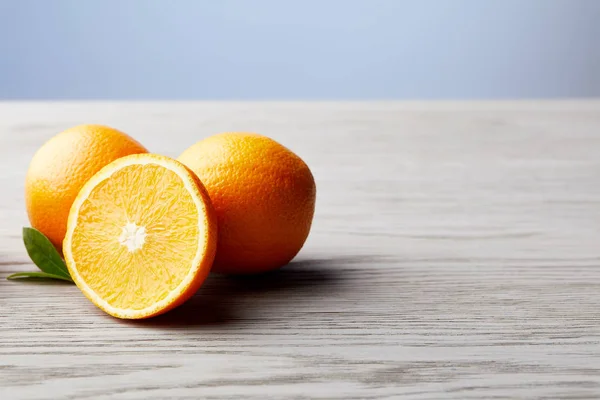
{"x":136,"y":266}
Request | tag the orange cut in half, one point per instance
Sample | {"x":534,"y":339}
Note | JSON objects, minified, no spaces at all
{"x":141,"y":236}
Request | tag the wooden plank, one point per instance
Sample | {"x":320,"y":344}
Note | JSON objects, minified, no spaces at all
{"x":455,"y":254}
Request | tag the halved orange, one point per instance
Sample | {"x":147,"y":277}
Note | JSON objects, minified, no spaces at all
{"x":141,"y":236}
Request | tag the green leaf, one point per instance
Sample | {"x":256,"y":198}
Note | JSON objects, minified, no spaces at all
{"x":37,"y":275}
{"x":44,"y":254}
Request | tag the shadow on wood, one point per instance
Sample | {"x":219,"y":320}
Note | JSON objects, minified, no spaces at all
{"x":233,"y":299}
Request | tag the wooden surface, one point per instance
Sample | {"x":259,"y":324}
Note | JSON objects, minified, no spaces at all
{"x":455,"y":254}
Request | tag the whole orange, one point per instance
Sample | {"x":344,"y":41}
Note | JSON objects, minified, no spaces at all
{"x":61,"y":167}
{"x":264,"y":198}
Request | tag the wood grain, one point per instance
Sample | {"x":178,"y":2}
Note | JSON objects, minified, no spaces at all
{"x":455,"y":254}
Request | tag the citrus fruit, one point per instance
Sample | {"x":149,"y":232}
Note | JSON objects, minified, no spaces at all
{"x":141,"y":236}
{"x":264,"y":197}
{"x":62,"y":165}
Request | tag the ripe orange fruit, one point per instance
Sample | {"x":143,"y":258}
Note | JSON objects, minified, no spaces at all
{"x":60,"y":168}
{"x":141,"y":236}
{"x":264,"y":196}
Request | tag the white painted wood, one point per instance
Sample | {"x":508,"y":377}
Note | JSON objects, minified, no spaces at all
{"x":455,"y":254}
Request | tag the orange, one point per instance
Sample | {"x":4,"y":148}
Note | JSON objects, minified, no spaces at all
{"x":141,"y":236}
{"x":60,"y":168}
{"x":264,"y":196}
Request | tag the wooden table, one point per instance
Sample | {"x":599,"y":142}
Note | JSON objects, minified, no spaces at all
{"x":455,"y":254}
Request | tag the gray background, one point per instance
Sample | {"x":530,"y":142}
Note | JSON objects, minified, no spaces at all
{"x":309,"y":49}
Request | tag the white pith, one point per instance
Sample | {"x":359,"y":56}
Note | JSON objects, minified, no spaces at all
{"x":132,"y":236}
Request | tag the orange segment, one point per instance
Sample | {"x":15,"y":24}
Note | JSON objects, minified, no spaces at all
{"x":141,"y":236}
